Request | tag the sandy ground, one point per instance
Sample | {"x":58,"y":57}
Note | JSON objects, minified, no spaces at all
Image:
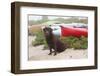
{"x":37,"y":53}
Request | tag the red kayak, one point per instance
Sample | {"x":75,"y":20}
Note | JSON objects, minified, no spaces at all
{"x":76,"y":32}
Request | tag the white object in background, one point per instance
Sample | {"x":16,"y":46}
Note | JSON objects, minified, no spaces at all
{"x":56,"y":30}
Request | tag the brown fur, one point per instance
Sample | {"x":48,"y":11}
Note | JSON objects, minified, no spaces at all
{"x":53,"y":42}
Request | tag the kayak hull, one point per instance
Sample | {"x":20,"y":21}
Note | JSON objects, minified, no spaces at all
{"x":76,"y":32}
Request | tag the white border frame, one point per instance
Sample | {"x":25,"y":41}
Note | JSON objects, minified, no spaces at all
{"x":25,"y":64}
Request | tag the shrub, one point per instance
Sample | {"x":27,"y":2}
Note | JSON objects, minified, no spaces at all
{"x":71,"y":42}
{"x":74,"y":42}
{"x":40,"y":40}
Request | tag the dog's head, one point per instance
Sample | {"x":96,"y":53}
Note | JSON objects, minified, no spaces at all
{"x":47,"y":31}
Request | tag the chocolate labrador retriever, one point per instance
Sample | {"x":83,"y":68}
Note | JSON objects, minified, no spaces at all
{"x":53,"y":42}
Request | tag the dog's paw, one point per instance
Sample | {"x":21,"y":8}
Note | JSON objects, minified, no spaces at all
{"x":50,"y":54}
{"x":55,"y":54}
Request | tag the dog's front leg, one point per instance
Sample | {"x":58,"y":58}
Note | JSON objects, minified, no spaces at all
{"x":55,"y":52}
{"x":55,"y":49}
{"x":50,"y":51}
